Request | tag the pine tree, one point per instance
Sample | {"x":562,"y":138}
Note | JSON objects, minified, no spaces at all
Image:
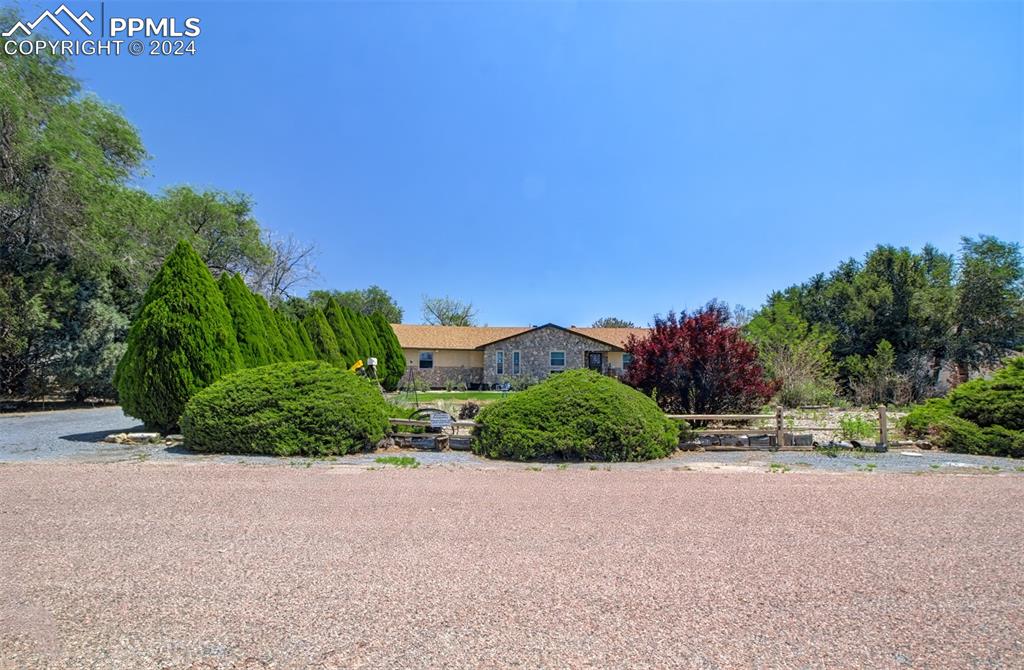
{"x":308,"y":351}
{"x":376,"y":346}
{"x":288,"y":328}
{"x":322,"y":336}
{"x":250,"y":332}
{"x":182,"y":341}
{"x":355,"y":327}
{"x":392,"y":360}
{"x":347,"y":347}
{"x":279,"y":345}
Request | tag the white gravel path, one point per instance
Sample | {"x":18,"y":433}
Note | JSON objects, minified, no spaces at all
{"x":211,"y":565}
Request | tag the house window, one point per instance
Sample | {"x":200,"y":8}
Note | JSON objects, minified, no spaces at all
{"x":499,"y":362}
{"x":627,"y":360}
{"x":515,"y":362}
{"x":426,"y":360}
{"x":558,"y":359}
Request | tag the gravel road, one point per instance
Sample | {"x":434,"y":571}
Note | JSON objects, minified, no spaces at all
{"x":213,"y":565}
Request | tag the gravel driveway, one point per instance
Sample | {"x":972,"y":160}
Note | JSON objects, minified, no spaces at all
{"x":75,"y":435}
{"x":212,"y":565}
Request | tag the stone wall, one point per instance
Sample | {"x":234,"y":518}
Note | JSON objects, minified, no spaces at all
{"x":535,"y":347}
{"x":438,"y":377}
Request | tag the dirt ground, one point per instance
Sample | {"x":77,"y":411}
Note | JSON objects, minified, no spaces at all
{"x":217,"y":565}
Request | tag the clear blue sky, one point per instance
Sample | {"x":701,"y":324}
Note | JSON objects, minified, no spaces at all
{"x":562,"y":162}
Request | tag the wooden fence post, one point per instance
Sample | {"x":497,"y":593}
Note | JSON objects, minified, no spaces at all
{"x":883,"y":426}
{"x":780,"y":436}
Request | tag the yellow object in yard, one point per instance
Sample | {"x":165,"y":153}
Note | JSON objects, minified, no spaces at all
{"x":355,"y":366}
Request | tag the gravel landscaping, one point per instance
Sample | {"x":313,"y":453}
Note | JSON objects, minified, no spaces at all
{"x":213,"y":565}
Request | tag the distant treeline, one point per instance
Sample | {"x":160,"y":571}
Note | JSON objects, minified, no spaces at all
{"x":897,"y":326}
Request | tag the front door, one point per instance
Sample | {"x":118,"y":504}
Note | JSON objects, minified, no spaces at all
{"x":594,"y":359}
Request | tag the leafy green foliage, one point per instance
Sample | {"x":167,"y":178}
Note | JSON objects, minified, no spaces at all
{"x":930,"y":308}
{"x":348,"y":350}
{"x":576,"y":414}
{"x":78,"y":243}
{"x":278,"y":338}
{"x":856,"y":427}
{"x":612,"y":322}
{"x":321,"y":336}
{"x":979,"y":417}
{"x":989,"y":309}
{"x":306,"y":408}
{"x":182,"y":341}
{"x":305,"y":344}
{"x":355,"y":327}
{"x":392,"y":360}
{"x":794,"y":353}
{"x":250,"y":331}
{"x":367,"y":302}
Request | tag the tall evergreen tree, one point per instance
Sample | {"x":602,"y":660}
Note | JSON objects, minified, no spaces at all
{"x":347,"y":347}
{"x":276,"y":339}
{"x":376,"y":346}
{"x":250,"y":331}
{"x":355,"y":326}
{"x":392,"y":361}
{"x":290,"y":333}
{"x":182,"y":341}
{"x":305,"y":344}
{"x":322,"y":336}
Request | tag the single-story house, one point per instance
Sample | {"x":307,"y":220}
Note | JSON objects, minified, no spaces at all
{"x":484,"y":356}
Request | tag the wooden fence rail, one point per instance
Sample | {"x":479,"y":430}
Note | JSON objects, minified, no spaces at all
{"x":778,"y":424}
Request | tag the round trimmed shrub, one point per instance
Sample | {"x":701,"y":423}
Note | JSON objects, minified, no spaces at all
{"x":307,"y":408}
{"x":576,"y":414}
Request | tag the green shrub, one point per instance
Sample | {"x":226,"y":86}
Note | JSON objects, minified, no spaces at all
{"x":856,"y":427}
{"x":307,"y":408}
{"x":576,"y":414}
{"x":978,"y":417}
{"x":936,"y":422}
{"x":993,"y":402}
{"x":181,"y":341}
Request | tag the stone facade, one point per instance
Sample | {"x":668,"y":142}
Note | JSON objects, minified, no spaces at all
{"x":440,"y":377}
{"x":535,"y":347}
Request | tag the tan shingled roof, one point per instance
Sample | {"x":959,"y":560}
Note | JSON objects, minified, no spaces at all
{"x":614,"y":336}
{"x":414,"y":336}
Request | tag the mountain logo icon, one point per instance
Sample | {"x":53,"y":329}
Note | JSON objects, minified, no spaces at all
{"x":69,"y":15}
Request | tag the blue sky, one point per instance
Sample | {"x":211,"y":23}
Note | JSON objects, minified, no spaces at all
{"x":566,"y":161}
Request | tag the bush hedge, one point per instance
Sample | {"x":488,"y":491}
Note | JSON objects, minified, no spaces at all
{"x":308,"y":408}
{"x":576,"y":414}
{"x":983,"y":416}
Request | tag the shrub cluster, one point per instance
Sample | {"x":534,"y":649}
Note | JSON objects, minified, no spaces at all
{"x":307,"y":408}
{"x":576,"y":414}
{"x":193,"y":329}
{"x":983,"y":416}
{"x":182,"y":340}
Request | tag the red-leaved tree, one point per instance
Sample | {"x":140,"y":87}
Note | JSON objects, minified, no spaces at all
{"x":698,"y":364}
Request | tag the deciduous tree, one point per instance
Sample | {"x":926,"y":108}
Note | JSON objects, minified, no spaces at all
{"x":697,"y":363}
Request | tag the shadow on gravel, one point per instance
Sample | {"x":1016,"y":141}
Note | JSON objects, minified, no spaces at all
{"x":97,"y":436}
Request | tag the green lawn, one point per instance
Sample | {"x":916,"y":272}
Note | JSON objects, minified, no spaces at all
{"x":451,"y":395}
